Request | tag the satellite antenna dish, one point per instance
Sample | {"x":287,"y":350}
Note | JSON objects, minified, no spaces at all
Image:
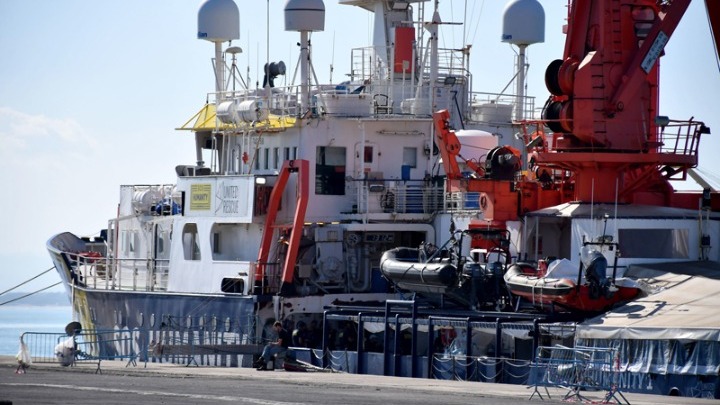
{"x":234,"y":50}
{"x":523,"y":25}
{"x":305,"y":16}
{"x":73,"y":328}
{"x":218,"y":22}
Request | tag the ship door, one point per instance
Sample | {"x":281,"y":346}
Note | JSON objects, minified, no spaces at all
{"x":367,"y":160}
{"x":161,"y":245}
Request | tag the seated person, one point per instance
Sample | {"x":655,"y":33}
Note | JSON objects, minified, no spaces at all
{"x":299,"y":335}
{"x":273,"y":348}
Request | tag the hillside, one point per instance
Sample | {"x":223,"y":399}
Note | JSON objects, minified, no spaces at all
{"x":41,"y":299}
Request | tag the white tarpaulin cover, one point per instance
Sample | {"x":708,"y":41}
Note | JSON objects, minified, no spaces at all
{"x":620,"y":211}
{"x":683,"y":304}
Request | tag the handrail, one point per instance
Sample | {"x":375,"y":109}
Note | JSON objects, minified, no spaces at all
{"x":109,"y":273}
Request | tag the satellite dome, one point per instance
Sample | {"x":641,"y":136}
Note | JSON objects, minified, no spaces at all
{"x":304,"y":15}
{"x":523,"y":22}
{"x":218,"y":21}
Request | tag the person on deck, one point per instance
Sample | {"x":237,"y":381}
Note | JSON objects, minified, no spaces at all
{"x":273,"y":348}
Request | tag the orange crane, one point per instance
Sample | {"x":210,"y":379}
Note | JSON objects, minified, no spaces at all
{"x":608,"y":143}
{"x":604,"y":104}
{"x":294,"y":230}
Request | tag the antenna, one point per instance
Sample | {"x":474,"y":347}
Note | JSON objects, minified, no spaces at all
{"x":523,"y":25}
{"x":332,"y":58}
{"x":234,"y":71}
{"x":592,"y":198}
{"x":218,"y":21}
{"x":617,"y":191}
{"x":305,"y":16}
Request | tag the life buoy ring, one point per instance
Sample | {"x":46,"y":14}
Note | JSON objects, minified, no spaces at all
{"x":483,"y":202}
{"x":447,"y":336}
{"x":90,"y":256}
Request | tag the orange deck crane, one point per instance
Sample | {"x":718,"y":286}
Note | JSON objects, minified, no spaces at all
{"x":608,"y":143}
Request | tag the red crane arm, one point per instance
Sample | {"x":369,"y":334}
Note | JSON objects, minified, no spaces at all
{"x":448,"y":144}
{"x":713,"y":10}
{"x":648,"y":54}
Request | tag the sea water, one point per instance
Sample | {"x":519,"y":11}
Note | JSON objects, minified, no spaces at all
{"x":16,"y":319}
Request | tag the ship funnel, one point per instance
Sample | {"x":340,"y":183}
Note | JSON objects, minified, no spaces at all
{"x":218,"y":21}
{"x":523,"y":22}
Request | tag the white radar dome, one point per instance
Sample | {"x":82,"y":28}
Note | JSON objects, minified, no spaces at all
{"x":304,"y":15}
{"x":480,"y":142}
{"x":218,"y":21}
{"x":523,"y":22}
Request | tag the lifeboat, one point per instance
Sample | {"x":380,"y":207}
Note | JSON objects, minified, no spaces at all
{"x":588,"y":290}
{"x":406,"y":268}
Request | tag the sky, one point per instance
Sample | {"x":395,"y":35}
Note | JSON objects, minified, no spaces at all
{"x":91,"y":91}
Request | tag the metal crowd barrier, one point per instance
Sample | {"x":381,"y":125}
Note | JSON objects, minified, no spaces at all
{"x":576,"y":369}
{"x":481,"y":369}
{"x":202,"y":340}
{"x":85,"y":346}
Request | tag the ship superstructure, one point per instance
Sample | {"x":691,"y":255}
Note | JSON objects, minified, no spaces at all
{"x":294,"y":192}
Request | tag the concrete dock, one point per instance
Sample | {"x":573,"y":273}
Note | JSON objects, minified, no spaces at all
{"x":120,"y":383}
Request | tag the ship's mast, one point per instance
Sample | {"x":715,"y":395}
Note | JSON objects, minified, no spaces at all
{"x":219,"y":21}
{"x":523,"y":25}
{"x":305,"y":16}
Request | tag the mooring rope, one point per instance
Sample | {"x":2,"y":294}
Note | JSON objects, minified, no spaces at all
{"x":29,"y":294}
{"x":27,"y":281}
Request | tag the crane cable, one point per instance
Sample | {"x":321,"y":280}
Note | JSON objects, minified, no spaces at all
{"x":29,"y":294}
{"x":712,"y":33}
{"x":26,"y":281}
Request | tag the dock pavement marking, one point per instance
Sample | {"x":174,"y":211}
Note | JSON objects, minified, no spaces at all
{"x":225,"y":398}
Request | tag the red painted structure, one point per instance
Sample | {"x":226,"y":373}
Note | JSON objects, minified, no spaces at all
{"x":604,"y":105}
{"x":608,"y":144}
{"x":301,"y":167}
{"x":404,"y":46}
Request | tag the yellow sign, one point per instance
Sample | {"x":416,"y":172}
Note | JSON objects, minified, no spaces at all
{"x":200,"y":197}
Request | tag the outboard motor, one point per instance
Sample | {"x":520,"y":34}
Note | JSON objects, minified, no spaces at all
{"x":595,"y":265}
{"x":485,"y":284}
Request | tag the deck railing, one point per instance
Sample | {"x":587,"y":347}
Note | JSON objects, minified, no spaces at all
{"x":99,"y":272}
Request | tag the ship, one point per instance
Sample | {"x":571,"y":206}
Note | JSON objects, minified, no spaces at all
{"x":293,"y":192}
{"x":399,"y":208}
